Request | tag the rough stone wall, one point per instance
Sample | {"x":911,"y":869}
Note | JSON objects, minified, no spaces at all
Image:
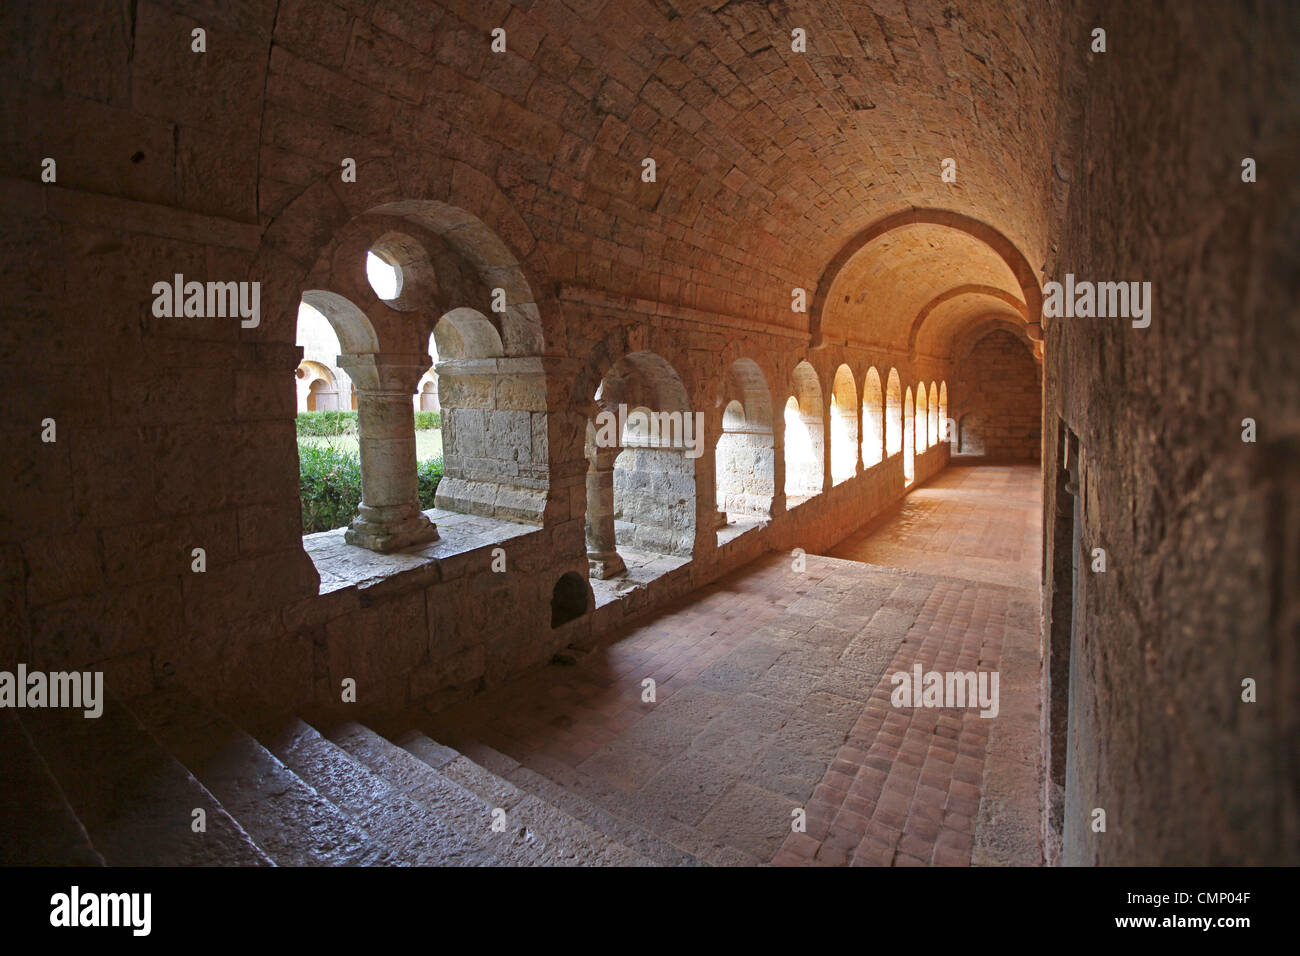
{"x":654,"y":500}
{"x":745,"y":469}
{"x":999,"y":409}
{"x":1199,"y":527}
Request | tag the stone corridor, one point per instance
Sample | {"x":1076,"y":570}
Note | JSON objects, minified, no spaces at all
{"x":778,"y":349}
{"x":772,"y":694}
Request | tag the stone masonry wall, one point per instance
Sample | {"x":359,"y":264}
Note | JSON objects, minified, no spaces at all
{"x":999,"y":407}
{"x":1200,"y":528}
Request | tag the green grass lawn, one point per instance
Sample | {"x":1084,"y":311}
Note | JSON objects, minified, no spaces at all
{"x":428,"y":443}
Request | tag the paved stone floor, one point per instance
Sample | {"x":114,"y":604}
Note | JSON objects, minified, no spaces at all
{"x":772,"y":695}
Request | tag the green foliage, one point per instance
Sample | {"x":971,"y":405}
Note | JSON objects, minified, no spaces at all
{"x":329,"y":424}
{"x":427,"y":475}
{"x":326,"y":424}
{"x":329,"y":479}
{"x":330,"y":483}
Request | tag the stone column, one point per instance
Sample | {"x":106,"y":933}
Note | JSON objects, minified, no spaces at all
{"x":603,"y":560}
{"x":389,"y":517}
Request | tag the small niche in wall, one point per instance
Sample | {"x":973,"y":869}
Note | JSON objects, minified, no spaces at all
{"x":570,"y":599}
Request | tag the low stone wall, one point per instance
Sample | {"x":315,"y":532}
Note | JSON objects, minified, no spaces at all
{"x":450,"y":625}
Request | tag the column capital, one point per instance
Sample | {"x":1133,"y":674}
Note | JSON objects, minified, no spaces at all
{"x":384,"y":372}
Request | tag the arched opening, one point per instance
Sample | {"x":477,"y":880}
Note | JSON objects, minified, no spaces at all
{"x":933,"y":431}
{"x":844,"y":426}
{"x":330,"y":466}
{"x":491,"y":421}
{"x":922,"y":419}
{"x":322,"y":385}
{"x":804,"y":448}
{"x":909,"y":438}
{"x":873,"y":420}
{"x":320,"y":396}
{"x":384,"y":277}
{"x":945,"y":425}
{"x":426,"y":398}
{"x":745,"y":454}
{"x":894,"y":414}
{"x":570,"y":599}
{"x":641,"y":451}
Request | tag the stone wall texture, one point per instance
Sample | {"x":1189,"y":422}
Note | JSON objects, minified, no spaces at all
{"x":1200,"y":528}
{"x":1000,"y":413}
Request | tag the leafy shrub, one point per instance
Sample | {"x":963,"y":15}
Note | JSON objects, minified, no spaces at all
{"x":427,"y":476}
{"x":326,"y":424}
{"x":330,"y":482}
{"x":427,"y":420}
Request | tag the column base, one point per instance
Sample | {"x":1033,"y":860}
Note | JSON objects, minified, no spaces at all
{"x":603,"y":565}
{"x":388,"y":529}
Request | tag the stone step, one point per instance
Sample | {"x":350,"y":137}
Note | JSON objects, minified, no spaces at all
{"x":703,"y":848}
{"x":534,"y":834}
{"x":519,"y":803}
{"x":37,"y":826}
{"x":290,"y":821}
{"x":624,"y":831}
{"x":135,"y":799}
{"x":414,"y":834}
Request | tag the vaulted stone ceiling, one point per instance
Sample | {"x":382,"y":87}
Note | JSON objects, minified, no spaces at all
{"x":768,"y":160}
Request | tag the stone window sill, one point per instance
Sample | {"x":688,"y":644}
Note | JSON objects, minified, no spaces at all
{"x":342,"y":565}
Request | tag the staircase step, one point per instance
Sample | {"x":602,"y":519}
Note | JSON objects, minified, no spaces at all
{"x":535,"y":834}
{"x":503,"y":793}
{"x":625,"y":832}
{"x":135,"y":800}
{"x":292,"y":823}
{"x":414,"y":834}
{"x":37,"y":826}
{"x":701,"y":847}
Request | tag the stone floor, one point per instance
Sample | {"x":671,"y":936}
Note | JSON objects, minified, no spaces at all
{"x":772,"y":695}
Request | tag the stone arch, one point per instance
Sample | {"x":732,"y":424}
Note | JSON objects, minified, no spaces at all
{"x":967,"y":290}
{"x":493,"y":395}
{"x":909,"y":438}
{"x":844,"y":426}
{"x":641,"y":483}
{"x":804,"y":435}
{"x":944,"y":426}
{"x":873,"y":419}
{"x":745,"y":450}
{"x":1001,"y":246}
{"x":922,"y":419}
{"x":322,"y":395}
{"x":933,"y":431}
{"x":356,"y":333}
{"x":894,"y":414}
{"x":458,"y":203}
{"x":466,"y":333}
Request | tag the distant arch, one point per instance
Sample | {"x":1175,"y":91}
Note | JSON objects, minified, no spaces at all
{"x":873,"y":420}
{"x":909,"y":438}
{"x":844,"y":426}
{"x":894,"y":414}
{"x":932,"y":432}
{"x":1005,"y":249}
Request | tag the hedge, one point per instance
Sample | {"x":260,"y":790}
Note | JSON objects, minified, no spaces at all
{"x":330,"y":484}
{"x":328,"y":424}
{"x":427,"y":420}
